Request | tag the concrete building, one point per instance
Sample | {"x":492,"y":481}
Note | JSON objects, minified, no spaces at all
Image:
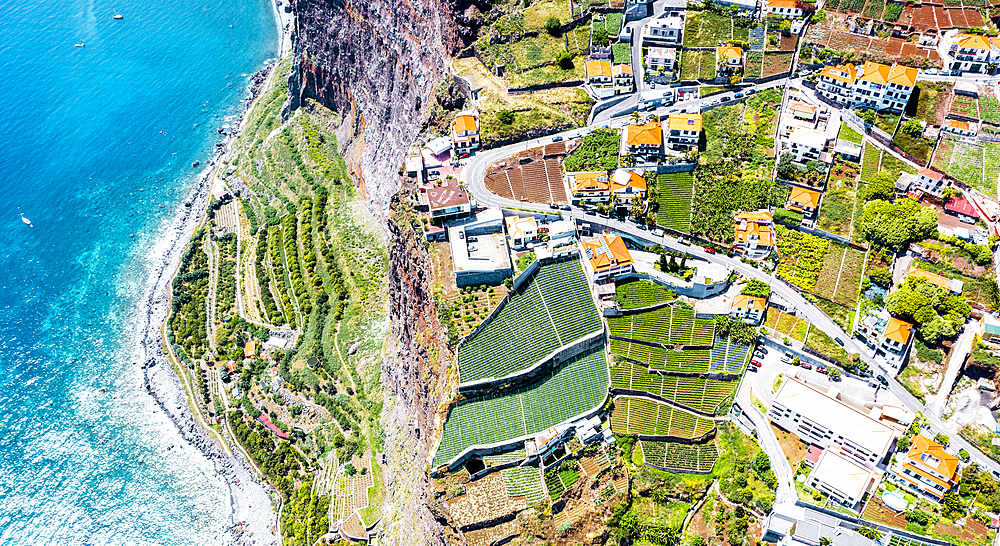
{"x":667,"y":29}
{"x":623,"y":78}
{"x":479,"y":249}
{"x":465,"y":133}
{"x":927,"y":469}
{"x":788,"y":9}
{"x":749,"y":309}
{"x":643,"y":140}
{"x":683,"y":131}
{"x":728,"y":60}
{"x":448,"y":202}
{"x":961,"y":208}
{"x":930,"y":181}
{"x":973,"y":53}
{"x":521,"y":230}
{"x":888,"y":336}
{"x":628,"y":187}
{"x":991,"y":331}
{"x":589,"y":188}
{"x":806,"y":132}
{"x":606,"y":256}
{"x":820,"y":417}
{"x":661,"y":59}
{"x":960,"y":128}
{"x":754,"y":233}
{"x":874,"y":86}
{"x":843,"y":479}
{"x":803,"y":200}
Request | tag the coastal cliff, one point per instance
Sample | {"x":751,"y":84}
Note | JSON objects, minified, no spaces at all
{"x":377,"y":64}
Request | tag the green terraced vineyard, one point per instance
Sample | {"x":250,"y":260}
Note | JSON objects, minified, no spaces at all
{"x":674,"y":200}
{"x":680,"y":457}
{"x":552,"y":309}
{"x":575,"y":387}
{"x":635,"y":293}
{"x":698,"y":393}
{"x":689,"y":360}
{"x":646,"y":418}
{"x":728,"y":356}
{"x":523,"y":481}
{"x":668,"y":326}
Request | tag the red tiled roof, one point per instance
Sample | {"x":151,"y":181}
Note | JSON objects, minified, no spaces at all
{"x":266,"y":421}
{"x":961,"y":205}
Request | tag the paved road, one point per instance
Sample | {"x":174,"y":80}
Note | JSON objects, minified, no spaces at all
{"x":769,"y":443}
{"x":959,"y":351}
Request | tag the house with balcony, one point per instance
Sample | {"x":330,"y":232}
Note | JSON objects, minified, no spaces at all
{"x":927,"y":469}
{"x":521,"y":231}
{"x":749,"y":309}
{"x":661,"y":59}
{"x":606,"y":256}
{"x":837,"y":82}
{"x":448,"y":202}
{"x":465,"y":133}
{"x":888,"y":336}
{"x":644,"y":140}
{"x":728,"y":60}
{"x":930,"y":181}
{"x":874,"y":86}
{"x":973,"y":53}
{"x":805,"y":132}
{"x":754,"y":233}
{"x":628,"y":187}
{"x":786,"y":9}
{"x":598,"y":73}
{"x":683,"y":131}
{"x":589,"y":188}
{"x":623,"y":78}
{"x":667,"y":29}
{"x":803,"y":200}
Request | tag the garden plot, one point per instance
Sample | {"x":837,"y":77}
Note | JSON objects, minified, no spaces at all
{"x":754,"y":64}
{"x":698,"y":64}
{"x":777,"y":62}
{"x":675,"y":192}
{"x":622,"y":53}
{"x":836,"y":212}
{"x":840,"y":277}
{"x":931,"y":96}
{"x":704,"y":28}
{"x":989,"y":106}
{"x":678,"y":457}
{"x":633,"y":294}
{"x":786,"y":324}
{"x":647,"y":418}
{"x":945,"y":150}
{"x":967,"y":163}
{"x":801,"y":257}
{"x":698,"y":393}
{"x":965,"y":106}
{"x":870,"y":160}
{"x":484,"y":500}
{"x":992,"y":168}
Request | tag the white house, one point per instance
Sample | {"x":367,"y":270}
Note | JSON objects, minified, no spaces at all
{"x":874,"y":86}
{"x":973,"y":53}
{"x":589,"y":187}
{"x":754,"y":233}
{"x":661,"y":58}
{"x":606,"y":256}
{"x":926,"y":469}
{"x":465,"y":132}
{"x":683,"y":131}
{"x":788,"y":9}
{"x":521,"y":230}
{"x":628,"y":186}
{"x":888,"y":336}
{"x":930,"y":181}
{"x":728,"y":60}
{"x":667,"y":29}
{"x":623,"y":78}
{"x":842,"y":479}
{"x":598,"y":73}
{"x":448,"y":202}
{"x":749,"y":309}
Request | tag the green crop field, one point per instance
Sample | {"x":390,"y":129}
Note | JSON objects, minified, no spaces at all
{"x":635,"y":293}
{"x":698,"y":393}
{"x":675,"y":191}
{"x":647,"y":418}
{"x":674,"y":456}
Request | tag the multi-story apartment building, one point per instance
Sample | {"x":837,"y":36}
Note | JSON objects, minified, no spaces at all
{"x":590,"y":187}
{"x":819,"y":417}
{"x":683,"y":131}
{"x":788,"y":9}
{"x":606,"y":256}
{"x":465,"y":132}
{"x":973,"y":53}
{"x":875,"y":86}
{"x":645,"y":139}
{"x":927,"y":469}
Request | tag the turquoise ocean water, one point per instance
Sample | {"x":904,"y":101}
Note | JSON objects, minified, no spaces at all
{"x":96,"y":145}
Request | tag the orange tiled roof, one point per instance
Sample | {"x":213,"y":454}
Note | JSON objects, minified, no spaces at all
{"x":933,"y":278}
{"x":791,"y":4}
{"x":849,"y":69}
{"x":605,"y":249}
{"x":597,"y":68}
{"x":958,"y":124}
{"x":875,"y":72}
{"x":628,"y":179}
{"x":803,"y":198}
{"x":930,"y":173}
{"x":903,"y":75}
{"x":464,"y":123}
{"x":620,"y":69}
{"x":972,"y":41}
{"x":799,"y":107}
{"x":520,"y":226}
{"x":754,"y":303}
{"x":650,"y":134}
{"x":750,"y":224}
{"x":922,"y":448}
{"x":582,"y":181}
{"x":684,"y":122}
{"x":898,"y":330}
{"x":729,"y":51}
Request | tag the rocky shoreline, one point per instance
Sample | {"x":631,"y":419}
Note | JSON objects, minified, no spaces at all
{"x":252,"y":510}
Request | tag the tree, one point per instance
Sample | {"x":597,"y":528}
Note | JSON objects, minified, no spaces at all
{"x":600,"y":37}
{"x":663,"y":262}
{"x":636,"y":116}
{"x":953,"y":506}
{"x":870,"y":533}
{"x":553,"y":26}
{"x":881,"y":276}
{"x":912,"y":128}
{"x":942,"y":439}
{"x":833,"y":373}
{"x":786,"y":167}
{"x":505,"y":116}
{"x":867,"y":115}
{"x":757,"y":288}
{"x":818,"y":17}
{"x":903,"y":443}
{"x":565,"y":60}
{"x":787,"y":217}
{"x":881,"y":186}
{"x":825,"y":541}
{"x":892,"y":225}
{"x":963,"y":454}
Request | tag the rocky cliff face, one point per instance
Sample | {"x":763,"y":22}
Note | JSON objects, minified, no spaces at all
{"x":377,"y":63}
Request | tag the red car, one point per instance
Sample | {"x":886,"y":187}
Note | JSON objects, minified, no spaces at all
{"x":756,"y":363}
{"x":807,"y":366}
{"x":821,"y":370}
{"x":710,"y":250}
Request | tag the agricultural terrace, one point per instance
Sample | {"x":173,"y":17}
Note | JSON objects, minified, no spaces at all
{"x":667,"y":326}
{"x":698,"y":393}
{"x":524,"y":481}
{"x":737,"y":164}
{"x":677,"y":457}
{"x":485,"y":499}
{"x":561,"y":478}
{"x":728,"y":356}
{"x":574,"y":388}
{"x":786,"y":324}
{"x":658,"y":358}
{"x":975,"y":163}
{"x":829,"y":270}
{"x":554,"y":308}
{"x":648,"y":418}
{"x":698,"y":64}
{"x":931,"y":97}
{"x":675,"y":192}
{"x":706,"y":28}
{"x":636,"y":293}
{"x":557,"y":108}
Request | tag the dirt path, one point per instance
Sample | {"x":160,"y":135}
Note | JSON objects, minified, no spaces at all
{"x":213,"y":288}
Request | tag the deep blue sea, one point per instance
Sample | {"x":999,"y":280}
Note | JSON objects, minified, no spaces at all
{"x":96,"y":146}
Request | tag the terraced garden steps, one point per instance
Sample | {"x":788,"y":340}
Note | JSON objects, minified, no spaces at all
{"x":728,"y":356}
{"x":648,"y":418}
{"x":664,"y":326}
{"x":553,"y":309}
{"x":678,"y":457}
{"x":702,"y":395}
{"x":576,"y":387}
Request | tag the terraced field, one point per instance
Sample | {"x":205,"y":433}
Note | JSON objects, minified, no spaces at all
{"x":700,"y":394}
{"x":646,"y":418}
{"x":674,"y":456}
{"x":690,"y":360}
{"x":676,"y":191}
{"x":668,"y":326}
{"x":636,"y":293}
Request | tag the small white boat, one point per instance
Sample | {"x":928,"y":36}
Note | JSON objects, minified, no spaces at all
{"x":79,"y":45}
{"x":26,"y":221}
{"x":119,"y":16}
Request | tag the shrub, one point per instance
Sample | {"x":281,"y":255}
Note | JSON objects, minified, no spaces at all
{"x":505,"y":116}
{"x":553,"y":26}
{"x":565,"y":60}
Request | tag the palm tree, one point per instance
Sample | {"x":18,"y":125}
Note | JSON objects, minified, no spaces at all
{"x":636,"y":116}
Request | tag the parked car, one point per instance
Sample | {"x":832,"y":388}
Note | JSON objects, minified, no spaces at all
{"x":751,"y":368}
{"x":883,"y":381}
{"x":839,"y":341}
{"x":473,"y":239}
{"x":710,"y":250}
{"x":807,"y":366}
{"x":738,"y":95}
{"x":553,"y":206}
{"x":756,"y":363}
{"x":787,"y":357}
{"x":472,"y":249}
{"x":566,"y":207}
{"x":557,"y":139}
{"x":751,"y":91}
{"x":683,"y":241}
